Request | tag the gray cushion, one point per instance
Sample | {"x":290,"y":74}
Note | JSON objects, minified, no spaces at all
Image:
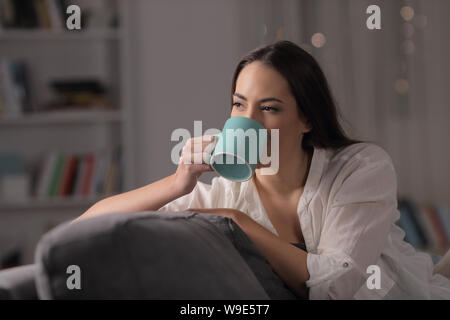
{"x":145,"y":255}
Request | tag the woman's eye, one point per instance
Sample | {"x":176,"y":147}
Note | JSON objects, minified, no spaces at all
{"x":269,"y":108}
{"x":264,"y":108}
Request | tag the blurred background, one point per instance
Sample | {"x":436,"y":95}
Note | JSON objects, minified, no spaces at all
{"x":88,"y":113}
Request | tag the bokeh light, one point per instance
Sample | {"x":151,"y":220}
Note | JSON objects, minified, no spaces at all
{"x":407,"y":30}
{"x":408,"y":47}
{"x":407,"y":13}
{"x":280,"y":34}
{"x":318,"y":40}
{"x":264,"y":29}
{"x":401,"y":86}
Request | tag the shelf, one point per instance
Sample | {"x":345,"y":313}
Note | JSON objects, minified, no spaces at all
{"x":62,"y":117}
{"x":42,"y":34}
{"x":49,"y":203}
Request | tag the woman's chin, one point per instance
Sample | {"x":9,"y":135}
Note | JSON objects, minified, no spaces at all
{"x":260,"y":165}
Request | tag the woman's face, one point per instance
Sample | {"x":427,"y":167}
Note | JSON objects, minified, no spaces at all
{"x":263,"y":94}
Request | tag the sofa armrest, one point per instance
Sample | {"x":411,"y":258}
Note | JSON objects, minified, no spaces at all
{"x":18,"y":283}
{"x":144,"y":255}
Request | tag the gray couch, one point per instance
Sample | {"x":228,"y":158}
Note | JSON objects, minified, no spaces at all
{"x":150,"y":255}
{"x":146,"y":255}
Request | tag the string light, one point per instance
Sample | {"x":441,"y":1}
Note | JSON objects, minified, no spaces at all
{"x":408,"y":47}
{"x":279,"y":35}
{"x":264,"y":29}
{"x":318,"y":40}
{"x":408,"y":30}
{"x":407,"y":13}
{"x":401,"y":86}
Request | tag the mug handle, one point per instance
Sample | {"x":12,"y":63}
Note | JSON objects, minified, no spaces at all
{"x":216,"y":139}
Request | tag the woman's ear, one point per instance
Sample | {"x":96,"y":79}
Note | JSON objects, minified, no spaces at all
{"x":305,"y":126}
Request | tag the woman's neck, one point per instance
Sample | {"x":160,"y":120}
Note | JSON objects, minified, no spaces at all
{"x":291,"y":176}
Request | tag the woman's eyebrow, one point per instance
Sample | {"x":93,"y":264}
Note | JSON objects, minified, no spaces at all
{"x":262,"y":100}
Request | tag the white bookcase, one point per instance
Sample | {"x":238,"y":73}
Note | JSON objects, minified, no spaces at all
{"x":97,"y":53}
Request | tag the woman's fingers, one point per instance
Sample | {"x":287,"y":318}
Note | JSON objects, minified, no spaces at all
{"x":203,"y":139}
{"x":200,"y":142}
{"x":196,"y":158}
{"x":225,"y":212}
{"x":198,"y":150}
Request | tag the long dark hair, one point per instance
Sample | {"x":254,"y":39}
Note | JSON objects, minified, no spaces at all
{"x":310,"y":88}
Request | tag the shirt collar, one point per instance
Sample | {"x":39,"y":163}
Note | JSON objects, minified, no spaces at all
{"x":318,"y":161}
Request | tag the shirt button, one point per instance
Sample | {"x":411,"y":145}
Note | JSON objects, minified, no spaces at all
{"x":345,"y":264}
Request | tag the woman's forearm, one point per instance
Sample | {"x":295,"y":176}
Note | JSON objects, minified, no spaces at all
{"x":149,"y":197}
{"x":288,"y":261}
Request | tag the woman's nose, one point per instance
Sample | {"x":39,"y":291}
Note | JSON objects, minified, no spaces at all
{"x":253,"y":113}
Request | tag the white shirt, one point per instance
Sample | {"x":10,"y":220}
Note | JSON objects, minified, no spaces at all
{"x":347,"y":214}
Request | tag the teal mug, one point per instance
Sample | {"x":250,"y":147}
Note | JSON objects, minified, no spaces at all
{"x":238,"y":148}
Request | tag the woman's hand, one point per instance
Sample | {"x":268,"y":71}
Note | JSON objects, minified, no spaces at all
{"x":285,"y":259}
{"x":193,"y":162}
{"x":236,"y":215}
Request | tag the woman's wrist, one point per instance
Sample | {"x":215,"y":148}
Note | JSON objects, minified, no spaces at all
{"x":176,"y":187}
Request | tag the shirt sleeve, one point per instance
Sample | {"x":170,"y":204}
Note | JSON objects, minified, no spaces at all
{"x":202,"y":196}
{"x":361,"y":210}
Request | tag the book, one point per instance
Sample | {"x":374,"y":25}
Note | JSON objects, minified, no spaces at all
{"x":72,"y":179}
{"x":78,"y":93}
{"x":9,"y":90}
{"x":45,"y":174}
{"x":14,"y":87}
{"x":11,"y":163}
{"x":437,"y":226}
{"x":425,"y":222}
{"x":61,"y":6}
{"x":109,"y":187}
{"x":56,"y":175}
{"x":57,"y":20}
{"x":20,"y":79}
{"x":414,"y":215}
{"x":67,"y":176}
{"x":43,"y":14}
{"x":444,"y":217}
{"x":25,"y":14}
{"x":6,"y":14}
{"x":99,"y":173}
{"x":76,"y":190}
{"x":88,"y":174}
{"x":409,"y":225}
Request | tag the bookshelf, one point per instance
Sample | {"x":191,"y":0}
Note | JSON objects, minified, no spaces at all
{"x":426,"y":227}
{"x":49,"y":35}
{"x":97,"y":52}
{"x":50,"y":203}
{"x":62,"y":117}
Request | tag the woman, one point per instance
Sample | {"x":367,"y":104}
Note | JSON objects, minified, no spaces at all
{"x":334,"y":195}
